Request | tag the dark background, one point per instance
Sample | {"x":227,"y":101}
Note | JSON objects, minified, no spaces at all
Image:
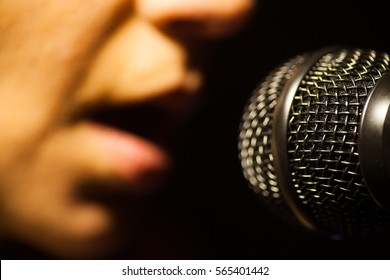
{"x":224,"y":216}
{"x":209,"y":212}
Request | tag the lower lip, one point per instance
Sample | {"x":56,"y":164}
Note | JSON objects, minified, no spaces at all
{"x":130,"y":157}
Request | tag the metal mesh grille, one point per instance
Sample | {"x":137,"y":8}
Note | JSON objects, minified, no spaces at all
{"x":323,"y":141}
{"x":255,"y":140}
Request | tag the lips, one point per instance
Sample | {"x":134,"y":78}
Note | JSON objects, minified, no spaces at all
{"x":133,"y":158}
{"x":145,"y":121}
{"x":135,"y":141}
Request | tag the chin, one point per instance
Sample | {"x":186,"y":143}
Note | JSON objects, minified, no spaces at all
{"x":88,"y":247}
{"x":90,"y":235}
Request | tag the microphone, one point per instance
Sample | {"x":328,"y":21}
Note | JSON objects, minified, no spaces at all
{"x":314,"y":141}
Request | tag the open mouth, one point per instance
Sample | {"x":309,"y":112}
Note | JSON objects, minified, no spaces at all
{"x":144,"y":121}
{"x":134,"y":144}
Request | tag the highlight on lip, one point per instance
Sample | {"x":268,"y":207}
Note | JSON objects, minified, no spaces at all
{"x":132,"y":158}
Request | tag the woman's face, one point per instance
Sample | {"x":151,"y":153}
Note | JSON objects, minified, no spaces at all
{"x":77,"y":78}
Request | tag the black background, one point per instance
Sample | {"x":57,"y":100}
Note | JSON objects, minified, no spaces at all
{"x":209,"y":212}
{"x":226,"y":219}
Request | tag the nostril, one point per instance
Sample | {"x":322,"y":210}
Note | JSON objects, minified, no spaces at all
{"x":204,"y":27}
{"x":185,"y":27}
{"x":211,"y":27}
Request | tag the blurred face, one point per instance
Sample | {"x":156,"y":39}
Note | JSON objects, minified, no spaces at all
{"x":91,"y":93}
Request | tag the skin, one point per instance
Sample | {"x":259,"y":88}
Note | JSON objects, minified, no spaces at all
{"x":63,"y":62}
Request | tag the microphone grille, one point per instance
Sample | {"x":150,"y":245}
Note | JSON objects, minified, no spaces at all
{"x":255,"y":139}
{"x":322,"y":137}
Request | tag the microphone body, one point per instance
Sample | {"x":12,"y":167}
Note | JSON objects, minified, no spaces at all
{"x":314,"y":141}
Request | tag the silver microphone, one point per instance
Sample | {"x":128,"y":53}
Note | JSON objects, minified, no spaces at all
{"x":314,"y":141}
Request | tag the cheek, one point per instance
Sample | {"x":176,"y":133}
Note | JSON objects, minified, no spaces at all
{"x":45,"y":48}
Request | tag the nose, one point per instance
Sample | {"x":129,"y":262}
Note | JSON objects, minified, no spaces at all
{"x":212,"y":18}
